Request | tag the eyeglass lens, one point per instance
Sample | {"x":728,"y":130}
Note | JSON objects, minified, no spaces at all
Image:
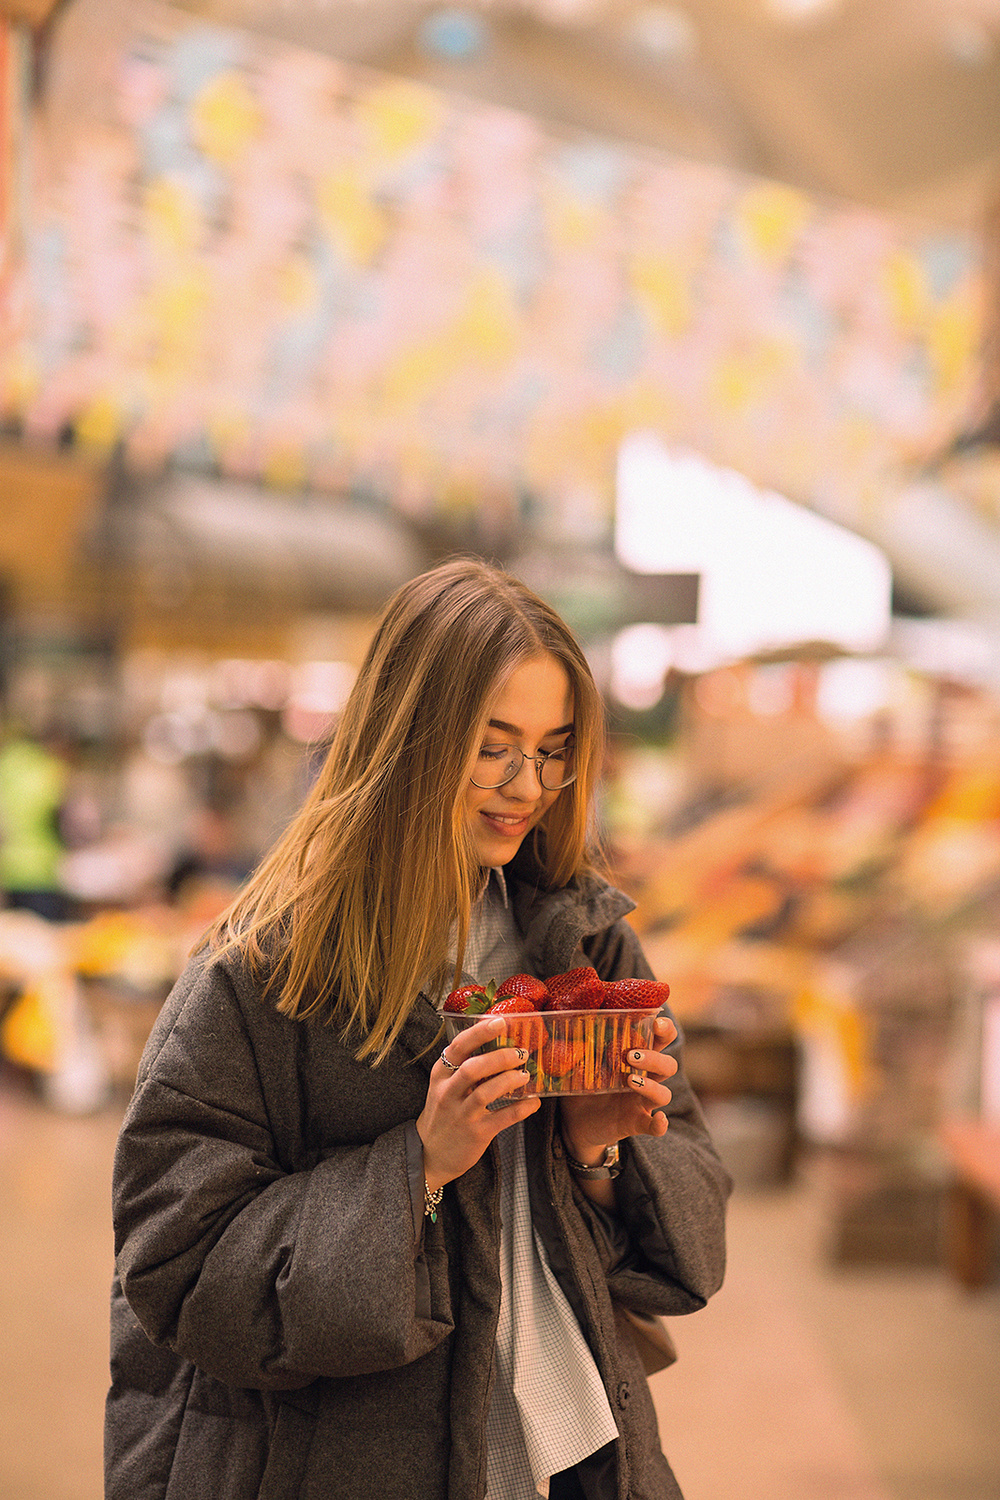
{"x":498,"y":764}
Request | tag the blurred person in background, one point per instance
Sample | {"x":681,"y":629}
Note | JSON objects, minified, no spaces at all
{"x":211,"y":851}
{"x":340,"y":1271}
{"x":34,"y":777}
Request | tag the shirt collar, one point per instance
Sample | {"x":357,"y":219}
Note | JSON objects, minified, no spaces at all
{"x":498,"y":881}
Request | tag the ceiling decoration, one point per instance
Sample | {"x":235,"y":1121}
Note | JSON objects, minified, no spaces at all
{"x":254,"y":259}
{"x":248,"y":257}
{"x":890,"y":103}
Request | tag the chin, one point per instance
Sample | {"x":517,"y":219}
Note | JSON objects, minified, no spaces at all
{"x":494,"y":852}
{"x":496,"y":856}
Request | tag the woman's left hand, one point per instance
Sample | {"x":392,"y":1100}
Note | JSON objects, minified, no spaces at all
{"x":591,"y":1122}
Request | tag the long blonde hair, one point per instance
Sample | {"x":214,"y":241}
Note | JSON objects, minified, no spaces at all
{"x":352,"y":912}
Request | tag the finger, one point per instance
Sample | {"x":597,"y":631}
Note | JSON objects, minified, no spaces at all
{"x":492,"y":1064}
{"x":666,"y":1031}
{"x":492,"y":1086}
{"x":644,"y":1122}
{"x":659,"y":1063}
{"x":502,"y":1086}
{"x":470,"y":1039}
{"x":654,"y":1095}
{"x":507,"y":1112}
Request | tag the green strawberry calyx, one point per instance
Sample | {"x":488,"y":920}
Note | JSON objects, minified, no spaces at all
{"x":479,"y":1004}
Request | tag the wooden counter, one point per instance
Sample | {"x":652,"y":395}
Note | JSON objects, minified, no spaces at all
{"x":973,"y":1149}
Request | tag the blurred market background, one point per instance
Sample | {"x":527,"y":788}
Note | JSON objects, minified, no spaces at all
{"x":690,"y":315}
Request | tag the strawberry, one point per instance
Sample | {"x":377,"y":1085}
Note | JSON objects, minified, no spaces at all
{"x":560,"y":1058}
{"x":577,"y":989}
{"x":468,"y":1000}
{"x":507,"y":1005}
{"x":527,"y":1034}
{"x":635,"y":994}
{"x":527,"y":986}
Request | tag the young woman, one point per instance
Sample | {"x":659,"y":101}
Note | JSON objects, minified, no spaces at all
{"x":340,"y":1273}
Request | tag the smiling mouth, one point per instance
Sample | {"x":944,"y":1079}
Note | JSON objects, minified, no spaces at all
{"x":505,"y":819}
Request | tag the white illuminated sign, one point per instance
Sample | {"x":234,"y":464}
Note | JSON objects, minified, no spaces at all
{"x":773,"y":574}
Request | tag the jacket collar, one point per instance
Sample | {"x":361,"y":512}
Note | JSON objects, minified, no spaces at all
{"x":422,"y":1035}
{"x":555,"y":923}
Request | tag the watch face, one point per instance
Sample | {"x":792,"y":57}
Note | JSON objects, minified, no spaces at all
{"x":611,"y":1156}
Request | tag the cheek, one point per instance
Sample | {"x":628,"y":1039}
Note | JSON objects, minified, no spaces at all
{"x":473,"y":801}
{"x":548,"y":800}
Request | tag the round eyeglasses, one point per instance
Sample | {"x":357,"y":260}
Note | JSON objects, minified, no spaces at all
{"x":498,"y":764}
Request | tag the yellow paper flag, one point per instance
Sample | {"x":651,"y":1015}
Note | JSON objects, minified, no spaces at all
{"x":225,"y":118}
{"x":397,"y":117}
{"x":772,"y":217}
{"x":353,"y":222}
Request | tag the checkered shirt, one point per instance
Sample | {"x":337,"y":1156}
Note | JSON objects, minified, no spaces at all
{"x":549,"y":1408}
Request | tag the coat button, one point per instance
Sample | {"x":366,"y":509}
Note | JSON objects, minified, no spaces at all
{"x":557,"y":1147}
{"x":624,"y":1392}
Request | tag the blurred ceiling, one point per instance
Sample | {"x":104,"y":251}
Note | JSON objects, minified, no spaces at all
{"x":890,"y":103}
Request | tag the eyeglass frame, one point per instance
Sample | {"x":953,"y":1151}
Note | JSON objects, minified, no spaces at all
{"x":540,"y":762}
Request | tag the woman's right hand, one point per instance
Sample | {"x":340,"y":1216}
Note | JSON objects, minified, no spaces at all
{"x":455,"y":1124}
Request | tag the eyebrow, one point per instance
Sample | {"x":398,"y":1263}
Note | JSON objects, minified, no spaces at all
{"x":514,"y":728}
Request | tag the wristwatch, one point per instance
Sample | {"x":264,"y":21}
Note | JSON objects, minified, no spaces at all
{"x":609,"y":1167}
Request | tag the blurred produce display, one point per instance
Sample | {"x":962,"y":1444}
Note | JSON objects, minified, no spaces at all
{"x":820,"y":889}
{"x":78,"y":998}
{"x":824,"y":900}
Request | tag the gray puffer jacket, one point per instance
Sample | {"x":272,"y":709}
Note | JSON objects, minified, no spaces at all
{"x":280,"y":1331}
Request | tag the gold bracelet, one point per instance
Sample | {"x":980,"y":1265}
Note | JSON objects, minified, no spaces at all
{"x":432,"y":1201}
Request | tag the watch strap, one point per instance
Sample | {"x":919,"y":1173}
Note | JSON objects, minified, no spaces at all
{"x":609,"y":1167}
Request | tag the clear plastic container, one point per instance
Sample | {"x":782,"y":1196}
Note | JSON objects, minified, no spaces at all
{"x":569,"y":1051}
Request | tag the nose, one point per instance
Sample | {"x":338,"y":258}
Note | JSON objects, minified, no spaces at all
{"x":528,"y":768}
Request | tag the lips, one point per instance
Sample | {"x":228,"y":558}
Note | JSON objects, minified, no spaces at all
{"x":503,"y":823}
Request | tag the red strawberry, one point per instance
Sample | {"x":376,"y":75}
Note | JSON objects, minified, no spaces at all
{"x":527,"y":1034}
{"x":506,"y":1005}
{"x":467,"y":1000}
{"x":635,"y":994}
{"x":577,"y":989}
{"x":560,"y":1058}
{"x":527,"y":986}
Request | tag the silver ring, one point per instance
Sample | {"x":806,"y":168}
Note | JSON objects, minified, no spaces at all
{"x":452,"y":1067}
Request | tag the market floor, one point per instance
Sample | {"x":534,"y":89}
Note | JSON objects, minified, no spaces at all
{"x":795,"y":1383}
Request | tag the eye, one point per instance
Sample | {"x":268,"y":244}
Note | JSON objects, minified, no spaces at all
{"x":561,"y":752}
{"x":494,"y":752}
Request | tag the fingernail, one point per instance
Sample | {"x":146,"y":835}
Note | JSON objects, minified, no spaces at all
{"x":638,"y":1080}
{"x":637,"y":1057}
{"x":521,"y":1054}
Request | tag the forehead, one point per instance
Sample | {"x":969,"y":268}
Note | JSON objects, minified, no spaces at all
{"x":536,"y":697}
